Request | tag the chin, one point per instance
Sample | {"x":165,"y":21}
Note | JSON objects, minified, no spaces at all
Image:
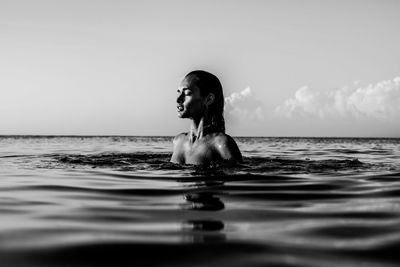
{"x":182,"y":115}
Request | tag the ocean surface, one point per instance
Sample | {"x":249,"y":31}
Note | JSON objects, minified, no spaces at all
{"x":118,"y":201}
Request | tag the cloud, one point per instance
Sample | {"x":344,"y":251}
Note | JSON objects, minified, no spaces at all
{"x":243,"y":106}
{"x":380,"y":101}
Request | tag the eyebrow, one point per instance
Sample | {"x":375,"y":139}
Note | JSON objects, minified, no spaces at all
{"x":184,"y":89}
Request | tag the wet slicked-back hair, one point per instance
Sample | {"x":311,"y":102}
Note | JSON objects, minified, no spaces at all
{"x":209,"y":83}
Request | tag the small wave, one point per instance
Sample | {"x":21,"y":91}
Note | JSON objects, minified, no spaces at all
{"x":125,"y":253}
{"x":344,"y":151}
{"x":114,"y":159}
{"x":154,"y":162}
{"x":296,"y":166}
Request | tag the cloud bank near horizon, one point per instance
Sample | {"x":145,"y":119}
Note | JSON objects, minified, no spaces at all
{"x":376,"y":102}
{"x":243,"y":105}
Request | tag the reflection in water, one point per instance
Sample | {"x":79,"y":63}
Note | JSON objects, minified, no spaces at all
{"x":205,"y":225}
{"x":203,"y":230}
{"x":203,"y":201}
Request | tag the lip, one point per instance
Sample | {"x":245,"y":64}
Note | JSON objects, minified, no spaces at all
{"x":180,"y":108}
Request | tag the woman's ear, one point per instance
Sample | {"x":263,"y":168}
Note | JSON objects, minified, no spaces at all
{"x":210,"y":99}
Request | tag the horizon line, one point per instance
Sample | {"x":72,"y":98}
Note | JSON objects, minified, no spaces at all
{"x":238,"y":136}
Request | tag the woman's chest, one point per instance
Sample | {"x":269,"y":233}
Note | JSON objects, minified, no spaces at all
{"x":199,"y":153}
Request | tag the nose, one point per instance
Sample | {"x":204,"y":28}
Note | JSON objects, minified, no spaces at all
{"x":179,"y":100}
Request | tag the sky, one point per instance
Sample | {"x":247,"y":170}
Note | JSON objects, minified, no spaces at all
{"x":112,"y":67}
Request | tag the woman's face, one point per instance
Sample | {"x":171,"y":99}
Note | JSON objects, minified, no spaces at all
{"x":190,"y":103}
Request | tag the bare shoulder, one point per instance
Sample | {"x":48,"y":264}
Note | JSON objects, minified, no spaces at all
{"x":222,"y":138}
{"x":227,"y":147}
{"x":178,"y":150}
{"x":180,"y":138}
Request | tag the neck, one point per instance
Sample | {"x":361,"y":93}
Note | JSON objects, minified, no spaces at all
{"x":199,"y":128}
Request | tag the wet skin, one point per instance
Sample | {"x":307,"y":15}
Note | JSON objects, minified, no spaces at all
{"x":211,"y":148}
{"x":201,"y":145}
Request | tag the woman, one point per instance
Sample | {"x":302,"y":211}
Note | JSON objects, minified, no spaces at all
{"x":200,"y":98}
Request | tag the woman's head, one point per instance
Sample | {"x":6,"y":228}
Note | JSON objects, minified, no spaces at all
{"x":211,"y":95}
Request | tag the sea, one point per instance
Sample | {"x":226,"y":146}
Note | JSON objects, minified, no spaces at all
{"x":118,"y":201}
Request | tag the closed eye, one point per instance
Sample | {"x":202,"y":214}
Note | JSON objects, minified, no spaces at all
{"x":186,"y":91}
